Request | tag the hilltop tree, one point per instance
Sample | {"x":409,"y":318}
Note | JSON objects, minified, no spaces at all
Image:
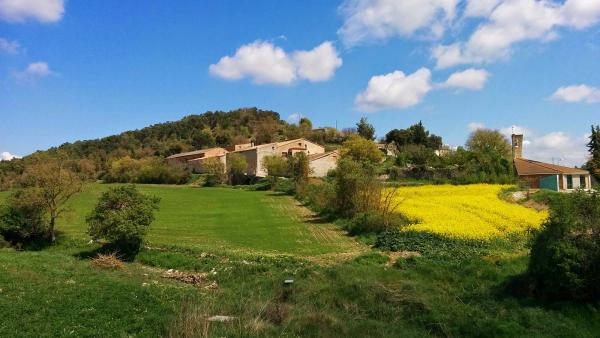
{"x":487,"y":141}
{"x":365,"y":129}
{"x":413,"y":135}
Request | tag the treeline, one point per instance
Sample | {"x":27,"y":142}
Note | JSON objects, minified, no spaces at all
{"x":421,"y":155}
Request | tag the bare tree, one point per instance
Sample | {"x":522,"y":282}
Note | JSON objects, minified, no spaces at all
{"x":54,"y":184}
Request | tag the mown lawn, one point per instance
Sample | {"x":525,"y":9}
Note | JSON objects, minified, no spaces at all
{"x":223,"y":219}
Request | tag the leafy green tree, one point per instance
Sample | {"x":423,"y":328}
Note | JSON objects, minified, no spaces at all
{"x":413,"y":135}
{"x":122,"y":216}
{"x":236,"y":168}
{"x":365,"y":129}
{"x":361,"y":149}
{"x":594,"y":148}
{"x":489,"y":141}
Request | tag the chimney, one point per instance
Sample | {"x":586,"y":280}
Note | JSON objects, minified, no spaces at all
{"x":517,"y":145}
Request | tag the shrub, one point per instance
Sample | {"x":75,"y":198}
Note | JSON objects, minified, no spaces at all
{"x":365,"y":222}
{"x":431,"y":245}
{"x":565,"y":255}
{"x":319,"y":197}
{"x":122,"y":216}
{"x":23,"y":219}
{"x":236,"y":168}
{"x":146,"y":171}
{"x":215,"y":172}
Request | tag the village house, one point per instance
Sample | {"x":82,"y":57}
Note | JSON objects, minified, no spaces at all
{"x":540,"y":175}
{"x":320,"y":161}
{"x":194,"y":159}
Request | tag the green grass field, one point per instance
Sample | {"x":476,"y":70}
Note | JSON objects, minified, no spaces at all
{"x":223,"y":219}
{"x":248,"y":243}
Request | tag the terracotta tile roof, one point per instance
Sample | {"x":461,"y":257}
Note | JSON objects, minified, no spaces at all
{"x":195,"y":152}
{"x":314,"y":157}
{"x":276,"y":144}
{"x":531,"y":167}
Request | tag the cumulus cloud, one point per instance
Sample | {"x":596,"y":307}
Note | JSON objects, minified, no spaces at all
{"x":264,"y":63}
{"x":41,"y":10}
{"x":9,"y":47}
{"x":398,"y":90}
{"x":577,"y":93}
{"x":473,"y":79}
{"x":395,"y":90}
{"x":318,"y":64}
{"x":34,"y":71}
{"x":373,"y":20}
{"x":554,"y":147}
{"x":6,"y":156}
{"x":511,"y":22}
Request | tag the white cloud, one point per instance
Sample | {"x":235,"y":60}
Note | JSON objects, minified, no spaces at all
{"x":577,"y":93}
{"x":6,"y":156}
{"x":9,"y":47}
{"x":264,"y":62}
{"x":512,"y":22}
{"x":318,"y":64}
{"x":395,"y":90}
{"x":473,"y":79}
{"x":41,"y":10}
{"x":373,"y":20}
{"x":480,"y":8}
{"x":33,"y":72}
{"x":555,"y":147}
{"x":473,"y":126}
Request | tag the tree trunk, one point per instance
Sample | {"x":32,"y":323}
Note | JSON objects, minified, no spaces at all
{"x":52,"y":235}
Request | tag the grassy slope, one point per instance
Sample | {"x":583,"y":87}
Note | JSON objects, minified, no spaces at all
{"x":54,"y":293}
{"x":223,"y":219}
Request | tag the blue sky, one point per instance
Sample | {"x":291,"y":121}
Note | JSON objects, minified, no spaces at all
{"x":73,"y":70}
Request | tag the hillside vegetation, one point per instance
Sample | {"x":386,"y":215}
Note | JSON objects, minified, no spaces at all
{"x":340,"y":288}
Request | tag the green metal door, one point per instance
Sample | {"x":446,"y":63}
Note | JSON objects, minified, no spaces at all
{"x":549,"y":182}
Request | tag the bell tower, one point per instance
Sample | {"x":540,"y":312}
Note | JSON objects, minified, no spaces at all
{"x":517,"y":145}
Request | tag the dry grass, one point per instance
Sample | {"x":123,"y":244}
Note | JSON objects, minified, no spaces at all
{"x":110,"y":261}
{"x":190,"y":322}
{"x":193,"y":278}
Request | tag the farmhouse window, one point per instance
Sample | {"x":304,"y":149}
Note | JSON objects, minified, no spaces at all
{"x":569,"y":181}
{"x":582,"y":182}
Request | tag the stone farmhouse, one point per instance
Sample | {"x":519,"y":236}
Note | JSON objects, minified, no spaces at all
{"x":540,"y":175}
{"x":319,"y":160}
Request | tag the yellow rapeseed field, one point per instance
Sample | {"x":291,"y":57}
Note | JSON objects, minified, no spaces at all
{"x":467,"y":212}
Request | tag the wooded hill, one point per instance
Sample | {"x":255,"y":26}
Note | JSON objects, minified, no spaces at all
{"x":211,"y":129}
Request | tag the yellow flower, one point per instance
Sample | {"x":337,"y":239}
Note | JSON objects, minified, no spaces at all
{"x":467,"y":212}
